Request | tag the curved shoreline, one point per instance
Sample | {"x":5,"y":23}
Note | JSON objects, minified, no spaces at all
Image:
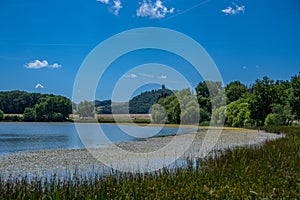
{"x":61,"y":161}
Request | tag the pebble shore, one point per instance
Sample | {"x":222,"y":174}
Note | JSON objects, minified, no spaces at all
{"x":83,"y":161}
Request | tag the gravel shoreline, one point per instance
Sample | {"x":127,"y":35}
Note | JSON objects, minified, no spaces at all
{"x":84,"y":161}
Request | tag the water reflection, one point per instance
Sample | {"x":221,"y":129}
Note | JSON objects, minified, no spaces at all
{"x":16,"y":137}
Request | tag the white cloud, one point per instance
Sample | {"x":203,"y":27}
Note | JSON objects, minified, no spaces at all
{"x":55,"y":65}
{"x":131,"y":76}
{"x":153,"y":10}
{"x":39,"y":86}
{"x":234,"y":11}
{"x":103,"y":1}
{"x":37,"y":64}
{"x":114,"y":5}
{"x":162,"y":77}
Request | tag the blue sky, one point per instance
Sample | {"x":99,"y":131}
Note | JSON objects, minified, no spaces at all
{"x":44,"y":42}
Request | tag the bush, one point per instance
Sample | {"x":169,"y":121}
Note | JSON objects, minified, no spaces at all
{"x":58,"y":117}
{"x":29,"y":115}
{"x":1,"y":114}
{"x":13,"y":118}
{"x":273,"y":119}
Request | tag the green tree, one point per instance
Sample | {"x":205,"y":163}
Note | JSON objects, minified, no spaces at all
{"x":238,"y":113}
{"x":203,"y":96}
{"x":86,"y":109}
{"x":29,"y":115}
{"x":41,"y":113}
{"x":264,"y":94}
{"x":209,"y":93}
{"x":281,"y":115}
{"x":295,"y":95}
{"x":173,"y":111}
{"x":58,"y":117}
{"x":190,"y":112}
{"x":218,"y":116}
{"x":158,"y":114}
{"x":181,"y":107}
{"x":234,"y":91}
{"x":15,"y":102}
{"x":53,"y":106}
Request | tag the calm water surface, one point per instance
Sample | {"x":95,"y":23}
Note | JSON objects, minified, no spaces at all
{"x":17,"y":137}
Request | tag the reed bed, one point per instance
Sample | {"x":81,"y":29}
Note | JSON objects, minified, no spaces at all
{"x":270,"y":171}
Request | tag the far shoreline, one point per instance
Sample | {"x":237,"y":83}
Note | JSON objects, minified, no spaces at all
{"x":143,"y":125}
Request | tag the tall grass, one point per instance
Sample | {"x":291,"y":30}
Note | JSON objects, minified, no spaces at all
{"x":271,"y":171}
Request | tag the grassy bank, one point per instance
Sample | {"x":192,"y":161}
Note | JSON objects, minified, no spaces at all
{"x":112,"y":120}
{"x":270,"y":171}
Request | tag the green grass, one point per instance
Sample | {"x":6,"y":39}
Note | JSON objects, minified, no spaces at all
{"x":268,"y":172}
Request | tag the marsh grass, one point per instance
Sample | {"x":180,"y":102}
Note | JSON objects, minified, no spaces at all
{"x":271,"y":171}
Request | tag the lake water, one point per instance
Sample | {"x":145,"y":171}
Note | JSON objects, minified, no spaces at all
{"x":18,"y":137}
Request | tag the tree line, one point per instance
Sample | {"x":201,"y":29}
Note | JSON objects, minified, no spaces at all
{"x":34,"y":106}
{"x":266,"y":102}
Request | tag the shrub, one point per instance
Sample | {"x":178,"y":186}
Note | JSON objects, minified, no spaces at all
{"x":13,"y":118}
{"x":1,"y":114}
{"x":29,"y":115}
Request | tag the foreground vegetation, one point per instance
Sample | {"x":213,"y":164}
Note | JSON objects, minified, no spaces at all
{"x":270,"y":171}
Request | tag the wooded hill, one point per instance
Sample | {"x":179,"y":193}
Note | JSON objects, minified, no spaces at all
{"x":139,"y":104}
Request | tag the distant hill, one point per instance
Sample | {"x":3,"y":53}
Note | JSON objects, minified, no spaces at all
{"x":103,"y":107}
{"x":140,"y":104}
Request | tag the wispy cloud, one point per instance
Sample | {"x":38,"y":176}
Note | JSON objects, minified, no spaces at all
{"x":114,"y":6}
{"x":162,"y":77}
{"x":39,"y":86}
{"x":234,"y":11}
{"x":131,"y":76}
{"x":146,"y":75}
{"x":37,"y":64}
{"x":154,"y":10}
{"x":244,"y":67}
{"x":188,"y":9}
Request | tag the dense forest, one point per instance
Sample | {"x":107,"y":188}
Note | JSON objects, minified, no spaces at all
{"x":34,"y":106}
{"x":266,"y":102}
